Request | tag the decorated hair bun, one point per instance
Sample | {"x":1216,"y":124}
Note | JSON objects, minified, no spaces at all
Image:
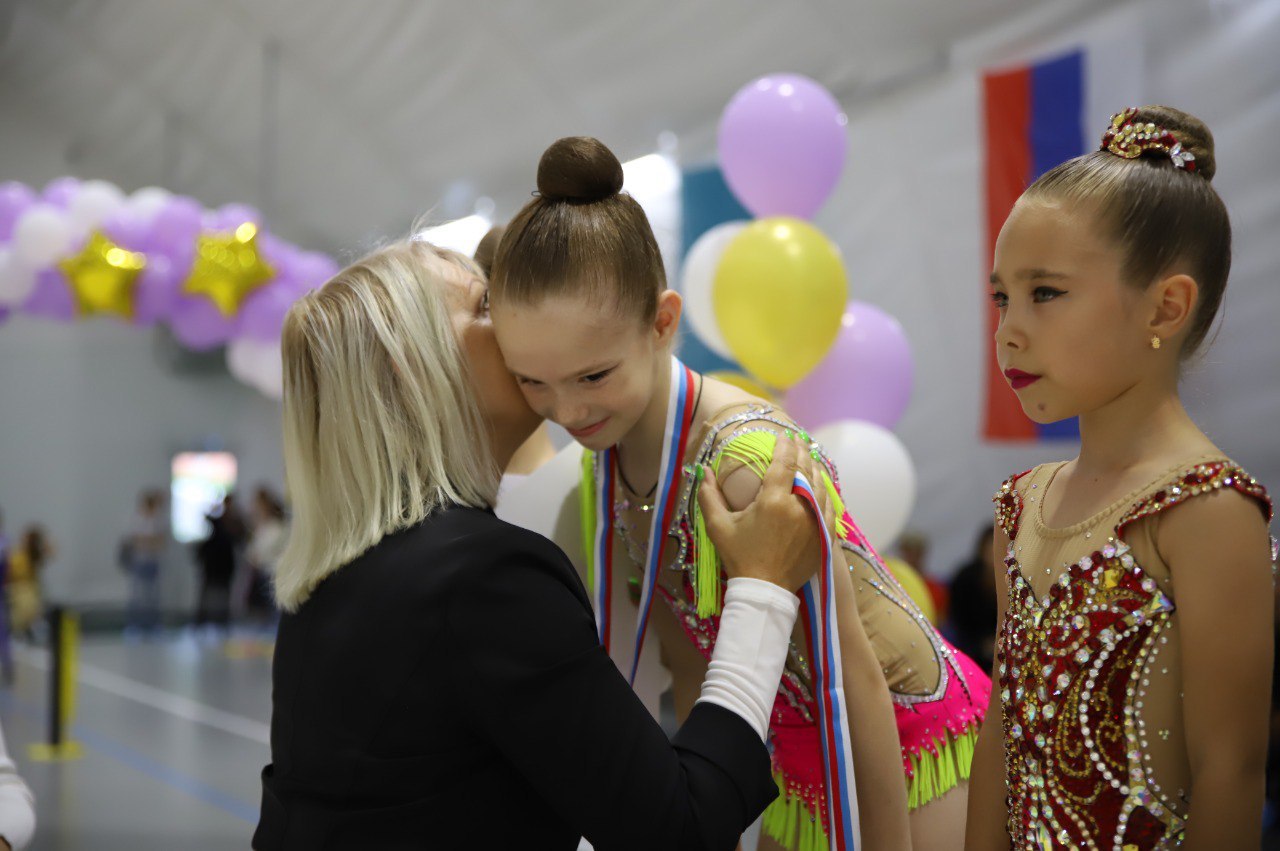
{"x":579,"y":168}
{"x":1162,"y":132}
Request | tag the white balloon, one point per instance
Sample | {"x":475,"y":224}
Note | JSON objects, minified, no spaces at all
{"x":240,"y":357}
{"x":270,"y":371}
{"x":148,"y":201}
{"x":696,"y":279}
{"x":94,"y":204}
{"x":41,"y":236}
{"x":877,"y":477}
{"x":16,"y":280}
{"x":258,"y":365}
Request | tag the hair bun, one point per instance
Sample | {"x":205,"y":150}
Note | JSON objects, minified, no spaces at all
{"x":579,"y":168}
{"x":1192,"y":133}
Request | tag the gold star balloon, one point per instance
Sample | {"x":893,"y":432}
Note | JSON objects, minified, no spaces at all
{"x":228,"y":267}
{"x":103,"y":276}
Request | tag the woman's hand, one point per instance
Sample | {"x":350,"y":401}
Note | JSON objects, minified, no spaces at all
{"x":776,"y":538}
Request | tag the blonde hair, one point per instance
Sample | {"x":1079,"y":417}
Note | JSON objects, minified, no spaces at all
{"x":381,"y":424}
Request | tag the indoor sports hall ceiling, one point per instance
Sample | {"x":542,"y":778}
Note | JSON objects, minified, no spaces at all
{"x":342,"y":120}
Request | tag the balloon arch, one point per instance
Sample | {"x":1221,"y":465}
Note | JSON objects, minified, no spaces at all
{"x":215,"y":277}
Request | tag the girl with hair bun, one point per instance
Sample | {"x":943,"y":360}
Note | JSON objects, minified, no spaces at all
{"x":1135,"y":610}
{"x":587,"y":325}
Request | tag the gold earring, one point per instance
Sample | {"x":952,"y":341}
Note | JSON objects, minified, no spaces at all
{"x":1155,"y":341}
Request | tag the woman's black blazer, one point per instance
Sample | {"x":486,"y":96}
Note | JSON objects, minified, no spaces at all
{"x":446,"y":689}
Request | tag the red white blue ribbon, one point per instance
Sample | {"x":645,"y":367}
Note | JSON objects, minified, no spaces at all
{"x":818,"y":613}
{"x":675,"y":437}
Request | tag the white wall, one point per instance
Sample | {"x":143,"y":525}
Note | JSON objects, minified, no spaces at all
{"x":90,"y":414}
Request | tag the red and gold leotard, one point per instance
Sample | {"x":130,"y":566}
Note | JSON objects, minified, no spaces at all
{"x":1089,"y":666}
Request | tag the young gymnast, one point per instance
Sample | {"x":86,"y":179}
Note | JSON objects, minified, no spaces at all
{"x":1135,"y":580}
{"x":586,"y":323}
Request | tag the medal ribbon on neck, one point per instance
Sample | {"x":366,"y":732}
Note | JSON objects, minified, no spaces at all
{"x":818,"y":614}
{"x":675,"y":437}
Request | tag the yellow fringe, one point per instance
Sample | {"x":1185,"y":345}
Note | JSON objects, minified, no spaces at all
{"x":789,"y":821}
{"x":754,"y":450}
{"x":934,"y":776}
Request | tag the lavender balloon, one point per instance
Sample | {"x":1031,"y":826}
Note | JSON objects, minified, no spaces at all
{"x":157,"y":292}
{"x":280,"y":255}
{"x":128,"y":230}
{"x":782,"y":145}
{"x":314,"y":269}
{"x":175,"y":228}
{"x":52,"y":297}
{"x":262,"y":314}
{"x":61,"y":191}
{"x":867,"y":375}
{"x":231,"y":216}
{"x":199,"y":325}
{"x":15,"y":198}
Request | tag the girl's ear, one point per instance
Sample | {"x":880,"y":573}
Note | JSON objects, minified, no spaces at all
{"x":667,"y":322}
{"x":1172,"y":303}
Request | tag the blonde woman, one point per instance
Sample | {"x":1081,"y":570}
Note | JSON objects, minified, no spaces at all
{"x":437,"y":680}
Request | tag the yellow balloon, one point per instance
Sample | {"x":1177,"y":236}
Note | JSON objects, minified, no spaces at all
{"x":228,"y":267}
{"x":779,"y":293}
{"x":745,"y":382}
{"x":103,"y":276}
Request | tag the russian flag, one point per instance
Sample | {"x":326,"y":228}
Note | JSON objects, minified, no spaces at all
{"x":1034,"y":119}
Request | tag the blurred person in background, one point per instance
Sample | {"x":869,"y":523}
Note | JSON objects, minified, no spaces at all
{"x":267,"y":540}
{"x":216,"y":557}
{"x":972,"y":618}
{"x":140,"y":558}
{"x":26,"y":563}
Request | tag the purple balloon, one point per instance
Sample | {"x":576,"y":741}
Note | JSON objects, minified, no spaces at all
{"x":262,"y":313}
{"x":128,"y":230}
{"x":231,"y":216}
{"x":52,"y":297}
{"x":199,"y":325}
{"x":61,"y":191}
{"x":277,"y":252}
{"x":174,"y":231}
{"x":4,"y":314}
{"x":782,"y":145}
{"x":867,"y":375}
{"x":157,"y":292}
{"x":315,"y":269}
{"x":15,"y":198}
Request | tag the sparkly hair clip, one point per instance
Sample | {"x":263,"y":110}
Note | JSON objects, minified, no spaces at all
{"x":1131,"y":139}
